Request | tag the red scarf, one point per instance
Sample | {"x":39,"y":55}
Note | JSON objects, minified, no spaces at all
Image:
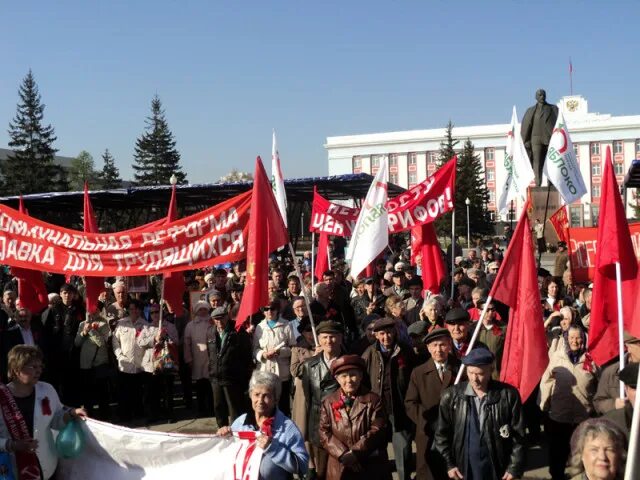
{"x":27,"y":462}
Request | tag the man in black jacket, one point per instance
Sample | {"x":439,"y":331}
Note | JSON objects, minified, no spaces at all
{"x":230,"y":365}
{"x":480,"y":431}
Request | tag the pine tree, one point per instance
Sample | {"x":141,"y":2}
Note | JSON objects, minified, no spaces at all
{"x":31,"y":168}
{"x":82,"y":169}
{"x":156,"y":157}
{"x":470,"y":183}
{"x":109,"y":177}
{"x":446,"y":153}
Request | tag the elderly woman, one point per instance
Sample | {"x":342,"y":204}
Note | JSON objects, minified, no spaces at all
{"x":431,"y":312}
{"x":557,"y":324}
{"x":598,"y":451}
{"x":566,"y":393}
{"x":394,"y":308}
{"x":282,"y":442}
{"x":353,"y":425}
{"x":272,"y":343}
{"x":30,"y":410}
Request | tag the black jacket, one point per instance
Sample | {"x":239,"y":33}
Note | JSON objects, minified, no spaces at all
{"x":232,"y":363}
{"x":503,"y":428}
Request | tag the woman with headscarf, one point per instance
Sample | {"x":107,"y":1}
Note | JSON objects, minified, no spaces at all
{"x":566,"y":394}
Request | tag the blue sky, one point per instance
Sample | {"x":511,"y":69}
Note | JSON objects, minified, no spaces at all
{"x":229,"y":72}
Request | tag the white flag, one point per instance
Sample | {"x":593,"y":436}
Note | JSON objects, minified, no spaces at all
{"x":516,"y":162}
{"x":561,"y":165}
{"x":277,"y":180}
{"x":371,"y":233}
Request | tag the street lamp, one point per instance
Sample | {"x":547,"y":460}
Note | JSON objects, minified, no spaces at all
{"x":467,"y":202}
{"x":173,"y":180}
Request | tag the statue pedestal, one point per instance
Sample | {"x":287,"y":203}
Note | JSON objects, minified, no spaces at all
{"x":539,"y":201}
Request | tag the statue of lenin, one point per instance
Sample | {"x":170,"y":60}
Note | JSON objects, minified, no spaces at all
{"x":537,"y":127}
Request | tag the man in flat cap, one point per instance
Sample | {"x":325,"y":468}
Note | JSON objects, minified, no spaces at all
{"x":398,"y":288}
{"x":623,"y":416}
{"x":318,"y":383}
{"x":492,"y":334}
{"x":389,"y":365}
{"x":480,"y":431}
{"x":422,"y":401}
{"x":457,"y":321}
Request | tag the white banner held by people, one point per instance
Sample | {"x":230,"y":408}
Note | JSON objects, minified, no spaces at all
{"x":561,"y":165}
{"x":277,"y":180}
{"x":371,"y":233}
{"x":112,"y":452}
{"x":516,"y":162}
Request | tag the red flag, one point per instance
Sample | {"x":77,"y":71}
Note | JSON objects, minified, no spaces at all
{"x":614,"y":245}
{"x":432,"y":263}
{"x":416,"y":243}
{"x":173,"y":286}
{"x":266,"y":233}
{"x":31,"y":288}
{"x":93,"y":285}
{"x":516,"y":285}
{"x":322,"y":257}
{"x":560,"y":224}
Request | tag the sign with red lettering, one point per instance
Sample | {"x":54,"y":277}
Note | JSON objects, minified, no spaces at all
{"x":332,"y":218}
{"x":424,"y":202}
{"x":583,"y":245}
{"x":213,"y":236}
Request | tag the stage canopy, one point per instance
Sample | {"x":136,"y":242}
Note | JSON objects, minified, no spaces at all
{"x":632,"y":179}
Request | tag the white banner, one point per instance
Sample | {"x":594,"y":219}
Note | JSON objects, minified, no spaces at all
{"x":277,"y":180}
{"x":561,"y":165}
{"x":114,"y":452}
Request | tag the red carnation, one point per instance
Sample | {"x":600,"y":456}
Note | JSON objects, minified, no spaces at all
{"x":336,"y":406}
{"x":496,"y":330}
{"x":46,"y":408}
{"x":400,"y":361}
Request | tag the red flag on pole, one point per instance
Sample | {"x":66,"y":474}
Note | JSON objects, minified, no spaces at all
{"x":322,"y":260}
{"x":560,"y":224}
{"x":432,"y":263}
{"x":516,"y":285}
{"x":173,"y":283}
{"x":93,"y":285}
{"x":31,"y":288}
{"x":266,"y":233}
{"x":614,"y":246}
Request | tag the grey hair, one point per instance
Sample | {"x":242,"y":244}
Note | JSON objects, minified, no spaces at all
{"x":266,"y":379}
{"x":593,"y":428}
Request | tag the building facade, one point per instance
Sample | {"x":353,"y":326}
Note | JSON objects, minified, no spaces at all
{"x":413,"y":155}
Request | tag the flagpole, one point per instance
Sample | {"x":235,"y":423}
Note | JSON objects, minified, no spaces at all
{"x":304,"y":294}
{"x":313,"y":260}
{"x":631,"y":467}
{"x":476,"y":332}
{"x":453,"y":248}
{"x":160,"y":303}
{"x":620,"y":323}
{"x":328,"y":255}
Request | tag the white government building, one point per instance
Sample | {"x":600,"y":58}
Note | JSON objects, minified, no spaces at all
{"x":413,"y":155}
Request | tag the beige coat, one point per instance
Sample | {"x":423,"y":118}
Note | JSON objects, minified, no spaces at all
{"x":195,"y":347}
{"x":299,"y":354}
{"x":567,"y":390}
{"x":266,"y":338}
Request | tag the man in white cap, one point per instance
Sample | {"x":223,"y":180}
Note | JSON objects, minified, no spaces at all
{"x":196,"y":356}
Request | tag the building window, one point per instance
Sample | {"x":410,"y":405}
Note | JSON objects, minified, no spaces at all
{"x":618,"y":168}
{"x":375,"y":161}
{"x":492,"y":216}
{"x":357,"y":163}
{"x":413,"y":159}
{"x":618,"y":146}
{"x":595,"y":215}
{"x":413,"y":178}
{"x":638,"y":146}
{"x":393,"y":178}
{"x":492,"y":196}
{"x":595,"y":170}
{"x":489,"y":153}
{"x":490,"y":175}
{"x":595,"y":191}
{"x":393,"y":160}
{"x":432,"y":158}
{"x":595,"y":148}
{"x":575,"y":214}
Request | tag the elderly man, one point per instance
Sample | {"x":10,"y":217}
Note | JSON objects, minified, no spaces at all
{"x":480,"y":430}
{"x":24,"y":332}
{"x":230,"y":366}
{"x":318,"y":383}
{"x":457,"y":322}
{"x":422,"y":401}
{"x":118,"y":309}
{"x":492,"y":335}
{"x":9,"y":304}
{"x":623,"y":416}
{"x":197,"y":358}
{"x":389,"y":364}
{"x":607,"y":395}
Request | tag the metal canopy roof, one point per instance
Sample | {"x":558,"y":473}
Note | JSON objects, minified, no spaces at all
{"x":632,"y":179}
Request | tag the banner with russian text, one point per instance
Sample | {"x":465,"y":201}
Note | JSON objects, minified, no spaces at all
{"x":112,"y":452}
{"x":213,"y":236}
{"x":583,"y":246}
{"x":332,"y":218}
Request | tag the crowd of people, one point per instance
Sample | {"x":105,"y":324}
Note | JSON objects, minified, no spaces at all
{"x":331,"y":372}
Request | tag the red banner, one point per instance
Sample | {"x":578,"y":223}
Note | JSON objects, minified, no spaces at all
{"x":583,"y":246}
{"x":560,"y":223}
{"x":331,"y":218}
{"x":424,"y":202}
{"x":216,"y":235}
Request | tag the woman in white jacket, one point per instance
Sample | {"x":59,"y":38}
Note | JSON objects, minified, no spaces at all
{"x":272,"y":343}
{"x":30,"y":410}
